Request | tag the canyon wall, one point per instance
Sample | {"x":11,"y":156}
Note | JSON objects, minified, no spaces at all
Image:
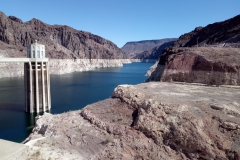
{"x":68,"y":49}
{"x":209,"y":55}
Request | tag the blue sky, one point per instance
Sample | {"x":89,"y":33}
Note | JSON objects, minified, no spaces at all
{"x":121,"y":21}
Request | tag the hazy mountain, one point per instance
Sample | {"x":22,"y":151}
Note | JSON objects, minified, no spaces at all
{"x":153,"y":53}
{"x":132,"y":49}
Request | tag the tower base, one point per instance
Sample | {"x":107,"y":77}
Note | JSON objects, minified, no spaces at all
{"x":37,"y":87}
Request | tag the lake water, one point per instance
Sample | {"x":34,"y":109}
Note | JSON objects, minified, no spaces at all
{"x":71,"y":91}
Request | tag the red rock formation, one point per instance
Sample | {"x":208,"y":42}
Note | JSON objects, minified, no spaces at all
{"x":207,"y":65}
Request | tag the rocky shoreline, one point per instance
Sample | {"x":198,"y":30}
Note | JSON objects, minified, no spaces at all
{"x":62,"y":66}
{"x":155,"y":120}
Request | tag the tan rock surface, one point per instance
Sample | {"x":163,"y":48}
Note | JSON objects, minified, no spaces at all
{"x":154,"y":120}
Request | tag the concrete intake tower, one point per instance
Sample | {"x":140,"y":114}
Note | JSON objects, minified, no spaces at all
{"x":37,"y":79}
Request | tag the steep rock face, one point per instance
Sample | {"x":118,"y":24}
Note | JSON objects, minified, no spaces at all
{"x":153,"y":53}
{"x":147,"y":121}
{"x":215,"y":61}
{"x":207,"y":65}
{"x":61,"y":42}
{"x":132,"y":49}
{"x":221,"y":32}
{"x":152,"y":69}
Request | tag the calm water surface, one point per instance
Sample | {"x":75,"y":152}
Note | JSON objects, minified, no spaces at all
{"x":70,"y":91}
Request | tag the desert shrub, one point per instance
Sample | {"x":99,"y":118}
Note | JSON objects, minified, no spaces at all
{"x":212,"y":82}
{"x":109,"y":139}
{"x":223,"y":81}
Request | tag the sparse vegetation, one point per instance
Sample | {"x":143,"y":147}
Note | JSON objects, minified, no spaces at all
{"x":120,"y":119}
{"x":109,"y":139}
{"x":223,"y":81}
{"x":35,"y":155}
{"x":212,"y":82}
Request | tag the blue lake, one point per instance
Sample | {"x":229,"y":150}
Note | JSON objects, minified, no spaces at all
{"x":71,"y":91}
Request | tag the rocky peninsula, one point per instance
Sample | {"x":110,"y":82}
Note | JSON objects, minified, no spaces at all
{"x":155,"y":120}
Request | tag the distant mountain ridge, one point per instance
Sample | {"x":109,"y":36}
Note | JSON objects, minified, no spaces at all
{"x":153,"y":53}
{"x":227,"y":31}
{"x":132,"y":49}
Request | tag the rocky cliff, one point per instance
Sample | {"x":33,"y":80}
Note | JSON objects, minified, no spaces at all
{"x":215,"y":61}
{"x":133,"y":49}
{"x":61,"y":42}
{"x":218,"y":33}
{"x":154,"y":120}
{"x":214,"y":66}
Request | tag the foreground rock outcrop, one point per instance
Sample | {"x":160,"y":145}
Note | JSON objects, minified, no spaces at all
{"x":208,"y":65}
{"x":154,"y":120}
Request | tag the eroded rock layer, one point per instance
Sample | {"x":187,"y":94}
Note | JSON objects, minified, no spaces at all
{"x":57,"y":66}
{"x":208,"y":65}
{"x":154,"y":120}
